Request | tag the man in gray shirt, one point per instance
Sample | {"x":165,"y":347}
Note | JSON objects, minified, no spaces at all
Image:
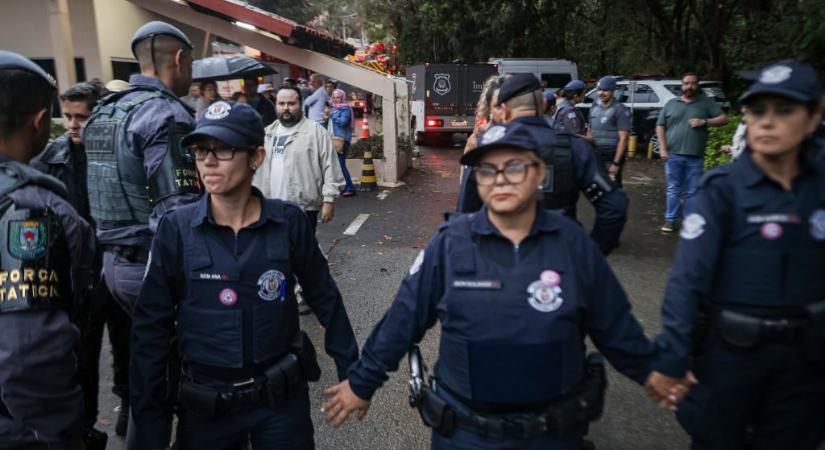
{"x":314,"y":104}
{"x":682,"y":131}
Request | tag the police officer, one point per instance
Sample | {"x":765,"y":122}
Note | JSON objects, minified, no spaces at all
{"x":137,"y":169}
{"x":222,"y":276}
{"x":609,"y":128}
{"x":516,"y":289}
{"x":65,"y":159}
{"x":568,"y":118}
{"x":744,"y":306}
{"x":46,"y":252}
{"x":550,"y":104}
{"x":570,"y":163}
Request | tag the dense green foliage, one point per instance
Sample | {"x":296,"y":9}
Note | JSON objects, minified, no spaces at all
{"x":719,"y":136}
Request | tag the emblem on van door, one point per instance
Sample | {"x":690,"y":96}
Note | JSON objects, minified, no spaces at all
{"x":441,"y":85}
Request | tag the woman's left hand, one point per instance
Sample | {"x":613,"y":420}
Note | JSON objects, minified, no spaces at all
{"x":341,"y":402}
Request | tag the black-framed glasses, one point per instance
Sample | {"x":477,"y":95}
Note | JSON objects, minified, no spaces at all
{"x":515,"y":172}
{"x":221,"y":153}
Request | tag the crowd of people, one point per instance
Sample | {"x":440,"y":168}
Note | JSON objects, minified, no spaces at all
{"x":192,"y":237}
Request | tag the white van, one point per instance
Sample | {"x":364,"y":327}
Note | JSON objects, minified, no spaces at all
{"x":553,"y":73}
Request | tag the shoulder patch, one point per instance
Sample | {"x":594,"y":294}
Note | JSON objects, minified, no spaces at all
{"x":693,"y":226}
{"x":28,"y":239}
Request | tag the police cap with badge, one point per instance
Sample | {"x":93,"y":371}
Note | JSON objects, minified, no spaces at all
{"x":235,"y":124}
{"x":514,"y":135}
{"x":788,"y":79}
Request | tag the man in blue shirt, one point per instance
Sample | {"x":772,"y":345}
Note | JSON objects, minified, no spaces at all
{"x":314,"y":104}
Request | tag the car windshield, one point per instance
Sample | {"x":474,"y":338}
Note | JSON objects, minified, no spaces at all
{"x":714,"y":91}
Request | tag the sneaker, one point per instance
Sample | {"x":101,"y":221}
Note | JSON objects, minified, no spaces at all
{"x":122,"y":419}
{"x":347,"y":193}
{"x":667,"y":227}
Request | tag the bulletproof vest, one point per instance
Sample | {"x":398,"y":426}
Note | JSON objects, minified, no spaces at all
{"x":560,"y":190}
{"x":604,"y":129}
{"x":120,"y":193}
{"x":508,"y":335}
{"x":235,"y":314}
{"x":778,"y":258}
{"x":34,"y":250}
{"x":68,"y":164}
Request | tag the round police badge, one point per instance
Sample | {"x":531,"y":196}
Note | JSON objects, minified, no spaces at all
{"x":218,"y":110}
{"x":493,"y":134}
{"x":550,"y":278}
{"x":771,"y":231}
{"x":228,"y":297}
{"x":693,"y":226}
{"x":543,"y":297}
{"x":817,"y":222}
{"x":775,"y":74}
{"x":271,"y":285}
{"x":604,"y":119}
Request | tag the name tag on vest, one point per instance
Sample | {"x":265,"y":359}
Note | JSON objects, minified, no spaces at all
{"x":477,"y":284}
{"x":214,"y":276}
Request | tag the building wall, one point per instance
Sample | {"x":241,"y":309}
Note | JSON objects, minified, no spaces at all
{"x":24,"y":28}
{"x":101,"y":30}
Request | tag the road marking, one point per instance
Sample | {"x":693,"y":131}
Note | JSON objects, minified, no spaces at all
{"x":356,"y":224}
{"x":383,"y":194}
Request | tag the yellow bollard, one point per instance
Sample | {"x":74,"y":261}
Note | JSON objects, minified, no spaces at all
{"x":650,"y":150}
{"x":631,"y":145}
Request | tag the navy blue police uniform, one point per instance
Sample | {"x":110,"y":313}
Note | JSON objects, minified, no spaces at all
{"x":137,"y":170}
{"x":231,"y":300}
{"x":503,"y":306}
{"x":605,"y":123}
{"x":46,"y":252}
{"x":571,"y":168}
{"x":744,"y":307}
{"x":66,"y":161}
{"x":568,"y":118}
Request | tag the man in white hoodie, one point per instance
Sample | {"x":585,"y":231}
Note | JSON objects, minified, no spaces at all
{"x":301,"y":165}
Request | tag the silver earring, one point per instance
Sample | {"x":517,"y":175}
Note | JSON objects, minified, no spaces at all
{"x":253,"y":167}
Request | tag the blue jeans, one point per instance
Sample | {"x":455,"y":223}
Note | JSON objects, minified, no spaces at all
{"x":682,"y":174}
{"x":342,"y":159}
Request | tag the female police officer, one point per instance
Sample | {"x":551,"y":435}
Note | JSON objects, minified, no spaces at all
{"x":224,"y":269}
{"x":516,"y":289}
{"x":745,"y":303}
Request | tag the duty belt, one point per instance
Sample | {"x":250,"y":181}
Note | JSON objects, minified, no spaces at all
{"x":746,"y":331}
{"x":274,"y":387}
{"x":132,"y":253}
{"x":580,"y":407}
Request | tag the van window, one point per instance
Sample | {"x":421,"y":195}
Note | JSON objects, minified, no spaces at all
{"x":555,"y":80}
{"x":643,"y":94}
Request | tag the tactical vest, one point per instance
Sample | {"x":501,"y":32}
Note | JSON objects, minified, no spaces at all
{"x":560,"y":190}
{"x":226,"y":307}
{"x":604,"y":129}
{"x":120,"y":193}
{"x":34,"y":249}
{"x":508,"y":335}
{"x":781,"y":264}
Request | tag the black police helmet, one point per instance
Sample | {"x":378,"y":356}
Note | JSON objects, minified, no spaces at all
{"x":158,"y":28}
{"x":10,"y":60}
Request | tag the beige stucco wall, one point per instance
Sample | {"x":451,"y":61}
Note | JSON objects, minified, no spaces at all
{"x":101,"y":30}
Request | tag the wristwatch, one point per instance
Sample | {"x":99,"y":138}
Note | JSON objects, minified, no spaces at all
{"x":616,"y":163}
{"x":704,"y":122}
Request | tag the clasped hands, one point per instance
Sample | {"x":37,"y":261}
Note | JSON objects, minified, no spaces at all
{"x":667,"y":392}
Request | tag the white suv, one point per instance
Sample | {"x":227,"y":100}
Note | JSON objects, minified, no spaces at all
{"x":647,"y":97}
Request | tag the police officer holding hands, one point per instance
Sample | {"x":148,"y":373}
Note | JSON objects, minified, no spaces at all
{"x":222,"y":276}
{"x":46,"y":252}
{"x":744,"y":306}
{"x":516,"y":289}
{"x":569,"y":162}
{"x":137,"y":170}
{"x":609,"y":128}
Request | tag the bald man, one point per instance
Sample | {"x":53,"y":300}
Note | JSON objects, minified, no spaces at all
{"x":137,"y":170}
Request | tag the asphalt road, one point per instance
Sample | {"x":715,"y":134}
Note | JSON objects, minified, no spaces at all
{"x":369,"y":266}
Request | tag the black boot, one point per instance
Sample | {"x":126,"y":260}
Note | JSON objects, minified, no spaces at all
{"x":122,"y":418}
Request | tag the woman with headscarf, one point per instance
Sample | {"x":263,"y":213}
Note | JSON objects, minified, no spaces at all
{"x":343,"y":122}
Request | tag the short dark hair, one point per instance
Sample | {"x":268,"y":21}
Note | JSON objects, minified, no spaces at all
{"x":87,"y":91}
{"x":289,"y":88}
{"x":22,"y":94}
{"x":690,"y":74}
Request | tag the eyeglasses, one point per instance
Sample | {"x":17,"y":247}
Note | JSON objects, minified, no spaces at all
{"x":515,"y":172}
{"x":221,"y":153}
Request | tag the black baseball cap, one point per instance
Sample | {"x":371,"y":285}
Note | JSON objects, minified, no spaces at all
{"x":518,"y":84}
{"x":235,"y":124}
{"x":514,"y":135}
{"x":789,"y":79}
